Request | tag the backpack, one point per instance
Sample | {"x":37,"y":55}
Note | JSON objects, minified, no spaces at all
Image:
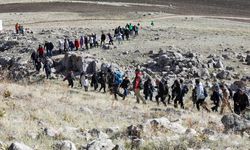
{"x":118,"y":77}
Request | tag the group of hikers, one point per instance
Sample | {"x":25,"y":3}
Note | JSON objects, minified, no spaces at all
{"x":90,"y":41}
{"x":116,"y":83}
{"x":158,"y":90}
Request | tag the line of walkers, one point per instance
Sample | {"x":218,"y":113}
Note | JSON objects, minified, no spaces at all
{"x":89,"y":41}
{"x":114,"y":81}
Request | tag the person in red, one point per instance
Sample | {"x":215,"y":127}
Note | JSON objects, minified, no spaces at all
{"x":77,"y":44}
{"x":138,"y":86}
{"x":40,"y":51}
{"x":17,"y":28}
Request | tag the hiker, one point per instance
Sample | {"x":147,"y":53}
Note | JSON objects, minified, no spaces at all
{"x":161,"y":91}
{"x":225,"y":99}
{"x":82,"y":78}
{"x":138,"y":86}
{"x":119,"y":38}
{"x":95,"y":40}
{"x":47,"y":69}
{"x":77,"y":44}
{"x":40,"y":51}
{"x":216,"y":97}
{"x":201,"y":95}
{"x":193,"y":96}
{"x":70,"y":77}
{"x":136,"y":30}
{"x":17,"y":28}
{"x":34,"y":57}
{"x":86,"y":42}
{"x":48,"y":46}
{"x":60,"y":45}
{"x":94,"y":81}
{"x":148,"y":89}
{"x":102,"y":81}
{"x":125,"y":85}
{"x":167,"y":92}
{"x":184,"y":91}
{"x":126,"y":32}
{"x":177,"y":93}
{"x":38,"y":65}
{"x":84,"y":81}
{"x":86,"y":84}
{"x":110,"y":39}
{"x":103,"y":38}
{"x":81,"y":42}
{"x":21,"y":30}
{"x":91,"y":41}
{"x":66,"y":45}
{"x":71,"y":45}
{"x":241,"y":101}
{"x":110,"y":78}
{"x":118,"y":76}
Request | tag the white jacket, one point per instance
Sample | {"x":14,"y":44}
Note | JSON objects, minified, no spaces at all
{"x":200,"y":91}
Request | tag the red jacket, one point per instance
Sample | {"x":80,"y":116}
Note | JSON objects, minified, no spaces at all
{"x":77,"y":43}
{"x":40,"y":51}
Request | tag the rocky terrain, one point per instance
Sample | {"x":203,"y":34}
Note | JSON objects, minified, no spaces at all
{"x":41,"y":114}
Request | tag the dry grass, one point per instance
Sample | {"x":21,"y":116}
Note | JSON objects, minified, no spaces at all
{"x":30,"y":108}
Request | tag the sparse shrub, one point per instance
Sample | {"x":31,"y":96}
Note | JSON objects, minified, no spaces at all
{"x":6,"y":94}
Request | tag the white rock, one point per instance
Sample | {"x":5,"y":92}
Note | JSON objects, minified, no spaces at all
{"x":65,"y":145}
{"x":19,"y":146}
{"x":51,"y":132}
{"x":100,"y":144}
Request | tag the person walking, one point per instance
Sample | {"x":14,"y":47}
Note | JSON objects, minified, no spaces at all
{"x":77,"y":44}
{"x":40,"y":51}
{"x":125,"y":85}
{"x":241,"y":101}
{"x":94,"y":81}
{"x":70,"y":77}
{"x":148,"y":89}
{"x":160,"y":94}
{"x":138,"y":86}
{"x":102,"y":82}
{"x":201,"y":95}
{"x":225,"y":99}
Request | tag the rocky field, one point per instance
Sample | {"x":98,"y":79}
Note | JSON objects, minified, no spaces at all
{"x":211,"y":42}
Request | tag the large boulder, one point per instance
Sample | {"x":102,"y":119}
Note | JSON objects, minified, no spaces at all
{"x":100,"y":144}
{"x":164,"y":123}
{"x":218,"y":64}
{"x":79,"y":63}
{"x":235,"y":123}
{"x":19,"y":146}
{"x":224,"y":74}
{"x":5,"y":61}
{"x":64,"y":145}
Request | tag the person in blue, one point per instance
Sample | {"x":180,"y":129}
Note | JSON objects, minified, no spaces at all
{"x":118,"y":77}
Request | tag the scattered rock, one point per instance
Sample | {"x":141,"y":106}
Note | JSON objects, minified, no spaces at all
{"x":235,"y":123}
{"x":100,"y":144}
{"x":208,"y":131}
{"x":51,"y":132}
{"x":19,"y":146}
{"x":64,"y":145}
{"x":224,"y":74}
